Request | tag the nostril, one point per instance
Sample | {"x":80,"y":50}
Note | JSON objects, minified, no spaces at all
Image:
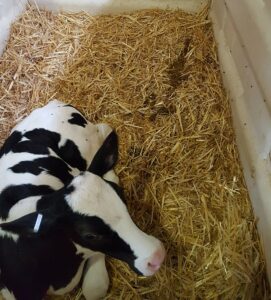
{"x":156,"y":260}
{"x":153,"y":267}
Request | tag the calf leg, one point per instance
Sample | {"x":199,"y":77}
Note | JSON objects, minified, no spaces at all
{"x":95,"y":280}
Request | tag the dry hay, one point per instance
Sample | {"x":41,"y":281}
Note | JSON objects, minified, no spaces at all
{"x":155,"y":77}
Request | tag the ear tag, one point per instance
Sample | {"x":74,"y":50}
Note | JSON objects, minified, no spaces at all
{"x":38,"y":222}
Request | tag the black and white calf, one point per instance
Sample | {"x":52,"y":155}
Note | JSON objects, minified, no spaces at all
{"x":62,"y":210}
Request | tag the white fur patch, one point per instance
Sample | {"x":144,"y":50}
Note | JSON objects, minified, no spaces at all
{"x":10,"y":235}
{"x":22,"y":208}
{"x":94,"y":197}
{"x":111,"y":176}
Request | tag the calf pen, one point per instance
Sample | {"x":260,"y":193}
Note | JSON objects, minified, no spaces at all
{"x":154,"y":76}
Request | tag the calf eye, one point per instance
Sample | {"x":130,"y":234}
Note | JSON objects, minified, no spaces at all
{"x":92,"y":236}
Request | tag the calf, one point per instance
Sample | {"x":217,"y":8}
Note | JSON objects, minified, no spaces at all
{"x":61,"y":208}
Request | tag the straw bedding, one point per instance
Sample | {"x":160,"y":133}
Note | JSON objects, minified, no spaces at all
{"x":154,"y":76}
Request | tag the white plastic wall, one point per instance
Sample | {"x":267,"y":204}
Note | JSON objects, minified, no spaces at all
{"x":117,"y":6}
{"x":242,"y":30}
{"x":9,"y":10}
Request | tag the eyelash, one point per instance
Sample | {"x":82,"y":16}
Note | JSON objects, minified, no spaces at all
{"x":93,"y":236}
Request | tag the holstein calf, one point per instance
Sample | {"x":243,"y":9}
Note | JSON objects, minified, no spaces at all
{"x":62,"y":209}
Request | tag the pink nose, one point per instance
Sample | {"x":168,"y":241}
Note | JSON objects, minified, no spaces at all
{"x":157,"y":259}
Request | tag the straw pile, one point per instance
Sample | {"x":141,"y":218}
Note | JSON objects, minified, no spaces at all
{"x":154,"y":76}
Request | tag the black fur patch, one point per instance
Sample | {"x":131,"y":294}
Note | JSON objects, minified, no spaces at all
{"x":30,"y":266}
{"x":106,"y":157}
{"x":52,"y":165}
{"x":14,"y":193}
{"x":78,"y":119}
{"x":30,"y":147}
{"x":45,"y":137}
{"x":12,"y":140}
{"x":27,"y":167}
{"x":69,"y":152}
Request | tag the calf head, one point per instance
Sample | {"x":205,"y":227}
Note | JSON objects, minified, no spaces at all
{"x":92,"y":213}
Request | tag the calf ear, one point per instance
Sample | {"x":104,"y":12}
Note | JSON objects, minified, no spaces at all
{"x":106,"y":157}
{"x":31,"y":224}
